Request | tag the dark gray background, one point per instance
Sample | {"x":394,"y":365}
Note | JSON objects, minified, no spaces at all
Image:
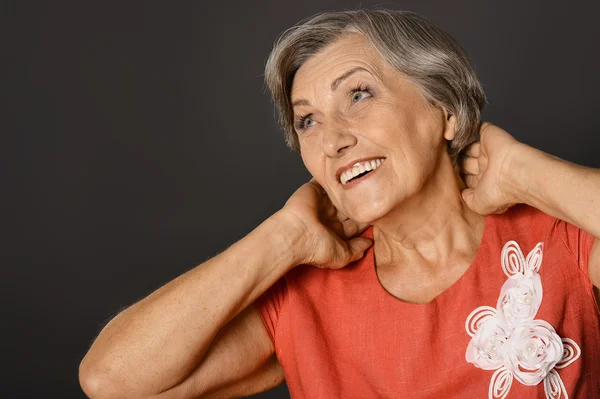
{"x":137,"y":141}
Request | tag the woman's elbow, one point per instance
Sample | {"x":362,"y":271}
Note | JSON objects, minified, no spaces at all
{"x":99,"y":382}
{"x":88,"y":380}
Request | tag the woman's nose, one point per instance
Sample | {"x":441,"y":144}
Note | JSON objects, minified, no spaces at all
{"x":337,"y":140}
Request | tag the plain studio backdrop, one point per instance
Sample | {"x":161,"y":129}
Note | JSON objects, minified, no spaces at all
{"x":138,"y":141}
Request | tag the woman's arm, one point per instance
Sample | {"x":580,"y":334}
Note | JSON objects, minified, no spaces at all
{"x":174,"y":343}
{"x":499,"y":171}
{"x":156,"y":343}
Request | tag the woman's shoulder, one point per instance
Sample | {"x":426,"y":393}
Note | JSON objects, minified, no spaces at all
{"x":524,"y":220}
{"x":520,"y":223}
{"x":524,"y":214}
{"x":529,"y":226}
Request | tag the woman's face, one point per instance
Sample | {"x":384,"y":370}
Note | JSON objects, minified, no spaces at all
{"x":353,"y":110}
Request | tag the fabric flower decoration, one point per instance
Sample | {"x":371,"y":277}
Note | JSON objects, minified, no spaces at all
{"x":510,"y":340}
{"x":535,"y":351}
{"x":520,"y":298}
{"x":489,"y":347}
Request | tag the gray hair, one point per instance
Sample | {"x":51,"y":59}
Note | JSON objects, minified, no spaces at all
{"x":429,"y":57}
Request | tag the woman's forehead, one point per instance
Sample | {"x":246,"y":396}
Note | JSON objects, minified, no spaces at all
{"x":349,"y":52}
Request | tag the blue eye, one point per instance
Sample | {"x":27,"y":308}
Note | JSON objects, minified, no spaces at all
{"x":359,"y":93}
{"x":308,"y":123}
{"x":303,"y":122}
{"x":356,"y":97}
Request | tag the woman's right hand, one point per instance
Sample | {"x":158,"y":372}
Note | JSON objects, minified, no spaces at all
{"x":329,"y":238}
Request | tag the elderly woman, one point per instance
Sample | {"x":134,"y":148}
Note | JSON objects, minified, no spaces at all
{"x":382,"y":277}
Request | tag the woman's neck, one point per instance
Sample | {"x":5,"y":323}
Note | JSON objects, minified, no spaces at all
{"x":431,"y":229}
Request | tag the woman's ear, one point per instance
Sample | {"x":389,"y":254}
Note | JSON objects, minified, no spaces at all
{"x":449,"y":125}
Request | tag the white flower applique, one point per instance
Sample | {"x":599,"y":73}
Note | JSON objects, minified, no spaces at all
{"x":510,"y":340}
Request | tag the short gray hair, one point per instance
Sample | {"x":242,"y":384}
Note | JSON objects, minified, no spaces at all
{"x":429,"y":57}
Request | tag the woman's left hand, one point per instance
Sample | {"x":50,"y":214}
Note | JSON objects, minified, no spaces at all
{"x":485,"y":169}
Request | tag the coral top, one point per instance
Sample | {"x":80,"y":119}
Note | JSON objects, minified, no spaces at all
{"x":521,"y":322}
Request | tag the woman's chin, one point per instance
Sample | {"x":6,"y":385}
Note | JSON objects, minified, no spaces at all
{"x":366,"y":213}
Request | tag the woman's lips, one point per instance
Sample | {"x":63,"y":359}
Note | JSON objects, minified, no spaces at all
{"x":354,"y":164}
{"x":356,"y":174}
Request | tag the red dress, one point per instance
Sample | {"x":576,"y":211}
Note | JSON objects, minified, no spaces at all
{"x":521,"y":322}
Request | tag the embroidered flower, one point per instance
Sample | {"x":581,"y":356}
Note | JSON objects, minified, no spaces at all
{"x":510,"y":340}
{"x":520,"y":297}
{"x":488,"y":348}
{"x":535,"y":350}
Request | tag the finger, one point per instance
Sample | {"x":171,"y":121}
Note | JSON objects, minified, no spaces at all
{"x":474,"y":203}
{"x":357,"y":247}
{"x":341,"y":216}
{"x":337,"y":228}
{"x":328,"y":215}
{"x":315,"y":185}
{"x":471,"y":181}
{"x":350,"y":228}
{"x":327,"y":209}
{"x":468,"y":195}
{"x":473,"y":150}
{"x":469,"y":166}
{"x":330,"y":211}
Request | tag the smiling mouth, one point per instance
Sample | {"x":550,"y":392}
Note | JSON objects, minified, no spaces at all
{"x":360,"y":169}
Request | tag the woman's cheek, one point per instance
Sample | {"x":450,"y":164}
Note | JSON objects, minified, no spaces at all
{"x":314,"y":163}
{"x":309,"y":139}
{"x":362,"y":110}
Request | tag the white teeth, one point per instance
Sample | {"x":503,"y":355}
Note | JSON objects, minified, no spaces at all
{"x":362,"y":167}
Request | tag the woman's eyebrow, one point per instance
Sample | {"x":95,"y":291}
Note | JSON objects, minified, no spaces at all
{"x":339,"y":80}
{"x":300,"y":102}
